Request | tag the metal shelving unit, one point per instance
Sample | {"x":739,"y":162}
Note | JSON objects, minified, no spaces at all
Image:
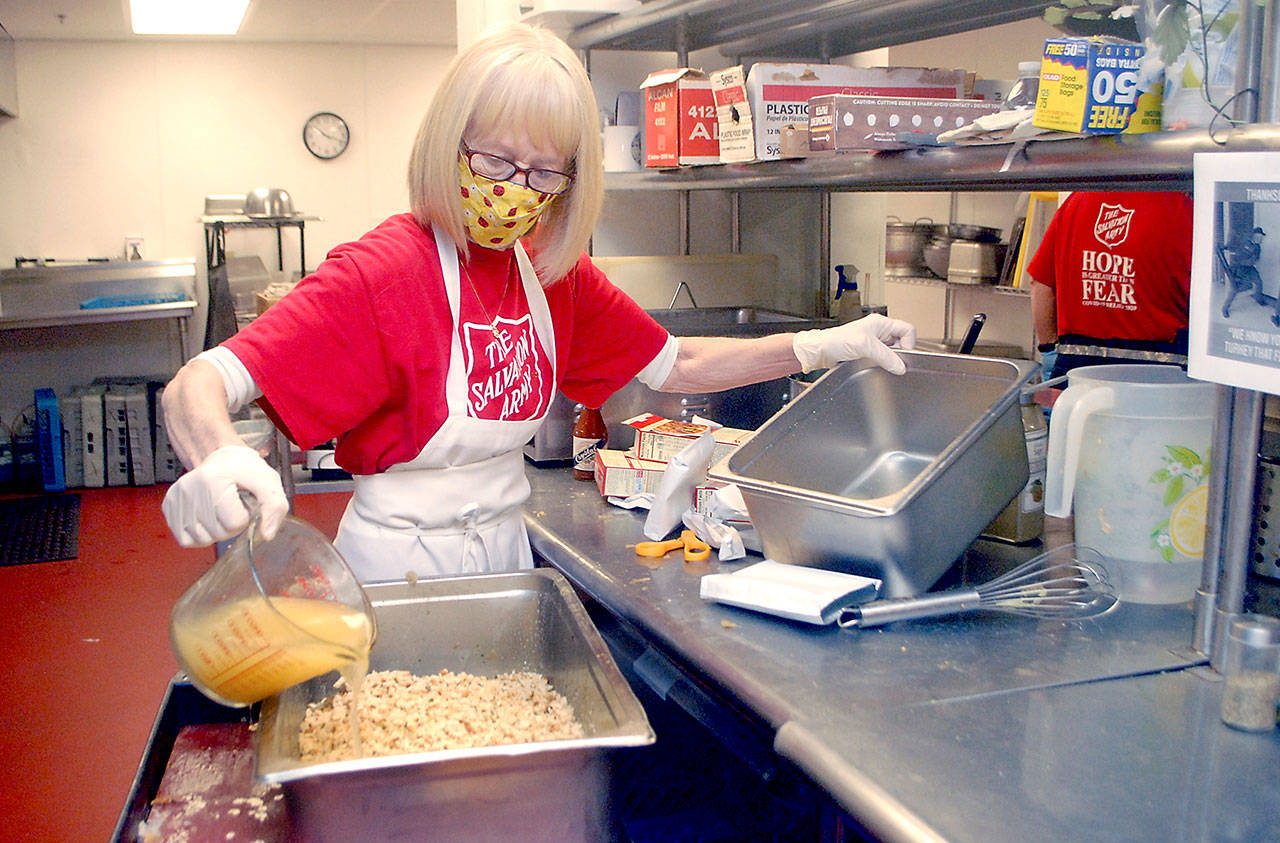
{"x":1156,"y":161}
{"x":1153,"y":161}
{"x":790,"y":29}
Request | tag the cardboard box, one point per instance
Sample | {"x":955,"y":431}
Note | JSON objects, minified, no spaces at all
{"x":661,"y":439}
{"x":779,"y":94}
{"x":733,"y":115}
{"x":621,"y":474}
{"x":702,"y":495}
{"x":272,"y":294}
{"x":679,"y":119}
{"x":794,"y":142}
{"x":1090,"y":85}
{"x":851,"y":122}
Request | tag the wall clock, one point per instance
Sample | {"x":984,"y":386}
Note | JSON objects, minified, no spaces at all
{"x":326,"y":135}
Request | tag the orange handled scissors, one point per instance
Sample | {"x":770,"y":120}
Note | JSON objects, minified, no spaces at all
{"x":695,"y":549}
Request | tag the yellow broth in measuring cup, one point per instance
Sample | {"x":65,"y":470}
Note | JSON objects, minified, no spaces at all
{"x":269,"y":615}
{"x":253,"y":648}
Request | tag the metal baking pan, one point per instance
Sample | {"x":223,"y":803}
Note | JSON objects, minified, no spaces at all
{"x":483,"y":625}
{"x":887,"y":476}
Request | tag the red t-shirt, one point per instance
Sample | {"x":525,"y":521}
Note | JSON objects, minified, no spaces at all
{"x":359,"y":349}
{"x":1120,"y":264}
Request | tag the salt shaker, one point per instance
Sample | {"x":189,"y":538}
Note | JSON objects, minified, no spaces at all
{"x":1252,"y":672}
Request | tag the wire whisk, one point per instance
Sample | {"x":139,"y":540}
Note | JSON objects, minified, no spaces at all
{"x":1067,"y":583}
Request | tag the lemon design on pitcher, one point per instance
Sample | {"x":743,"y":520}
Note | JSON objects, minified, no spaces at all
{"x":1186,"y":526}
{"x":1184,"y":531}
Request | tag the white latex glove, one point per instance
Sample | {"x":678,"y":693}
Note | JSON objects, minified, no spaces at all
{"x":868,"y":337}
{"x":204,"y":505}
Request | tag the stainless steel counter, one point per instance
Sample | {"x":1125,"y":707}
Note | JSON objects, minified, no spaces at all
{"x":980,"y":727}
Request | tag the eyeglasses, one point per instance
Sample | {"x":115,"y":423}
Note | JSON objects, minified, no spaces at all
{"x":500,"y":169}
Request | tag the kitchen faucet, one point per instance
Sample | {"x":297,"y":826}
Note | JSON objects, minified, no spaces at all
{"x":685,"y":286}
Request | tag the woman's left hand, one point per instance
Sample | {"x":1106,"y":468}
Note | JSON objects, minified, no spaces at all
{"x":869,"y":337}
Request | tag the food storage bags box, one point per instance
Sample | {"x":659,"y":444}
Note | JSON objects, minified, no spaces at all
{"x":733,"y":115}
{"x":620,"y":474}
{"x":844,"y":121}
{"x":1090,"y":85}
{"x":661,"y":439}
{"x":779,"y":94}
{"x":679,"y":119}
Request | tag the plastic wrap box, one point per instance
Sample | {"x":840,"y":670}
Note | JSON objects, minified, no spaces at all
{"x":1090,"y":85}
{"x":679,"y":119}
{"x":779,"y":94}
{"x":849,"y":122}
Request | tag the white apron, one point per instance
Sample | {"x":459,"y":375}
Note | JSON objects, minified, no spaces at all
{"x":454,"y":508}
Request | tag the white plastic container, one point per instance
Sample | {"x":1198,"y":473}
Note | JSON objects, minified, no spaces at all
{"x":1129,"y":455}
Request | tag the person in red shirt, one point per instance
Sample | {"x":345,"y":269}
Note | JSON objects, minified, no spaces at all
{"x":431,"y":347}
{"x":1112,"y":281}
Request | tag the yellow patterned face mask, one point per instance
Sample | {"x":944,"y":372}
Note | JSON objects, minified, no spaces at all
{"x":497,"y":213}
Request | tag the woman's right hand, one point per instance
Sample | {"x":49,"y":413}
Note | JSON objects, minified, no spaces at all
{"x":204,"y":505}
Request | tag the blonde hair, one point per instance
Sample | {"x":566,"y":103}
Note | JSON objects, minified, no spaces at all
{"x":514,"y":75}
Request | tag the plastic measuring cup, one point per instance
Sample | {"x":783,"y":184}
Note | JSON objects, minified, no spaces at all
{"x":271,"y":614}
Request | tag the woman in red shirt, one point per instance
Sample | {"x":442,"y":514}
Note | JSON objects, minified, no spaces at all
{"x":431,"y":347}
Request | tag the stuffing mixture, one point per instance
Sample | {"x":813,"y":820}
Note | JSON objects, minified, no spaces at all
{"x":402,"y":713}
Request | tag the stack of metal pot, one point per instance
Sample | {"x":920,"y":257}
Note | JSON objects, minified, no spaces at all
{"x":937,"y":250}
{"x":904,"y":244}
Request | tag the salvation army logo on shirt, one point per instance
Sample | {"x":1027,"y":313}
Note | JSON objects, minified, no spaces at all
{"x":507,"y":372}
{"x":1112,"y":226}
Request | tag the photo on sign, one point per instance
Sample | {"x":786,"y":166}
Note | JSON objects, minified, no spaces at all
{"x":1235,"y":272}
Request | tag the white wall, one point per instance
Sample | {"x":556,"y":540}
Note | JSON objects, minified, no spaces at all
{"x":117,"y":139}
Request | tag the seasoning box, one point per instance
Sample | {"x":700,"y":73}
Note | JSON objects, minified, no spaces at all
{"x":661,"y":439}
{"x":621,"y":473}
{"x":1090,"y":85}
{"x":679,"y":119}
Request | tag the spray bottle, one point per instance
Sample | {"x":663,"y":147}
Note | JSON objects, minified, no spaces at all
{"x":848,"y":301}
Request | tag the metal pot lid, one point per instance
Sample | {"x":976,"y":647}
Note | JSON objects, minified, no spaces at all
{"x":979,"y":233}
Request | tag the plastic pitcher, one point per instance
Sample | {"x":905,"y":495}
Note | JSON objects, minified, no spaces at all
{"x":1129,"y":454}
{"x":271,"y":614}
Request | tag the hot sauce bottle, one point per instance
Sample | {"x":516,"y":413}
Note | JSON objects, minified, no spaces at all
{"x":589,"y":434}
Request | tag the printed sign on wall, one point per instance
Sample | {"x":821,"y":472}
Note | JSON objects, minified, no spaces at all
{"x":1235,"y":270}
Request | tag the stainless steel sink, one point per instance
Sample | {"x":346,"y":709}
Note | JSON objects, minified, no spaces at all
{"x":726,"y":321}
{"x":745,"y":407}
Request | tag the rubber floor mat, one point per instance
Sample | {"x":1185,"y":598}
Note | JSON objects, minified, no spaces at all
{"x":39,"y":529}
